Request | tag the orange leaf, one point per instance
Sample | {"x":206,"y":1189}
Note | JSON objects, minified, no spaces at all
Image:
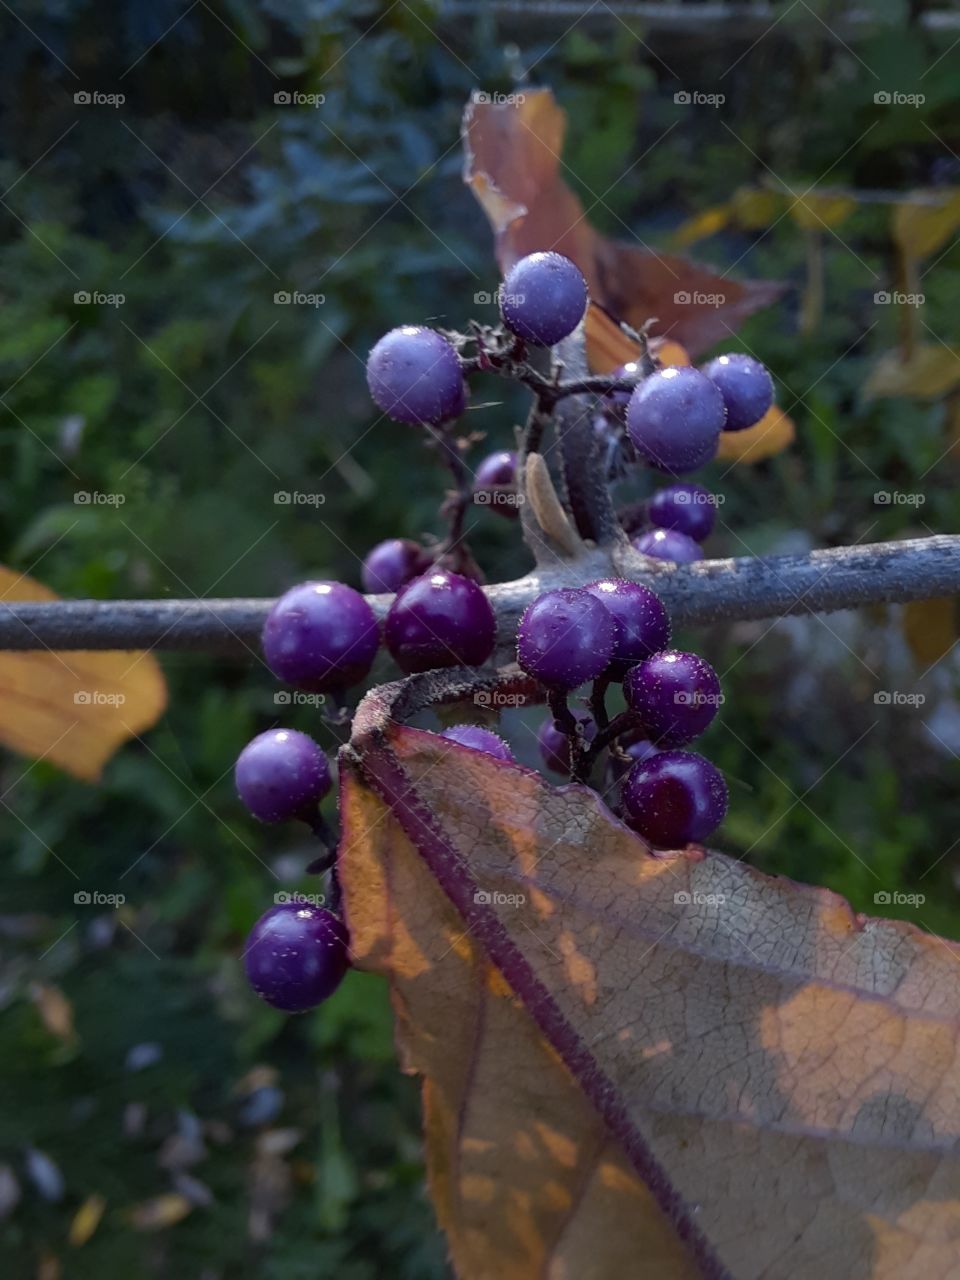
{"x":765,"y":439}
{"x":74,"y":708}
{"x":56,"y":1011}
{"x":921,"y":228}
{"x":674,"y":1059}
{"x":815,"y":212}
{"x":161,"y":1212}
{"x":928,"y":373}
{"x":513,"y":165}
{"x":930,"y":628}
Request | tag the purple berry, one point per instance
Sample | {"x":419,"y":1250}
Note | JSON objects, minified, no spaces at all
{"x":620,"y":399}
{"x":675,"y":418}
{"x":496,"y":479}
{"x":642,"y":622}
{"x":673,"y":798}
{"x":321,"y":635}
{"x":746,"y":387}
{"x":471,"y":735}
{"x":440,"y":620}
{"x":392,"y":564}
{"x":669,"y":544}
{"x":414,"y":375}
{"x":296,"y":956}
{"x":543,"y":298}
{"x":641,"y":750}
{"x":566,"y":638}
{"x":674,"y":694}
{"x":281,"y":774}
{"x":687,"y":508}
{"x":555,"y":745}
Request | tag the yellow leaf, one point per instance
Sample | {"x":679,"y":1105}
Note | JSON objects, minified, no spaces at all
{"x":671,"y":1066}
{"x":930,"y":628}
{"x":56,"y":1011}
{"x":920,"y":229}
{"x":704,"y":224}
{"x":930,"y":372}
{"x":86,"y":1220}
{"x":754,"y":209}
{"x":765,"y":439}
{"x":816,"y":212}
{"x":160,"y":1212}
{"x":670,"y":354}
{"x":73,"y":708}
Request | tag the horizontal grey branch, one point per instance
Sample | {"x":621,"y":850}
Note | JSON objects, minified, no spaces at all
{"x":708,"y":591}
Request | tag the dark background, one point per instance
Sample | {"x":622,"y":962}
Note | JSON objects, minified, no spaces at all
{"x":225,"y":1139}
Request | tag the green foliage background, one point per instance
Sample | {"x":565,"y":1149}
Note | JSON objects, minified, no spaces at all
{"x":200,"y":397}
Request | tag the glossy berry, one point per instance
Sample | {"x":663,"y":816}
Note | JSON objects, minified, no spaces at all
{"x":495,"y":481}
{"x":746,"y":387}
{"x":440,"y":620}
{"x":674,"y":797}
{"x":674,"y":419}
{"x":642,"y":749}
{"x":543,"y":298}
{"x":296,"y":956}
{"x":687,"y":508}
{"x":620,"y":399}
{"x":390,"y":565}
{"x":321,"y":635}
{"x":565,"y":638}
{"x":555,"y":745}
{"x":471,"y":735}
{"x":669,"y":544}
{"x":642,"y":622}
{"x":414,"y":375}
{"x":674,"y":694}
{"x":281,"y":774}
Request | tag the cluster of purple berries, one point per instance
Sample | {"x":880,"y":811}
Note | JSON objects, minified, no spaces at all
{"x":323,"y":637}
{"x":619,"y":630}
